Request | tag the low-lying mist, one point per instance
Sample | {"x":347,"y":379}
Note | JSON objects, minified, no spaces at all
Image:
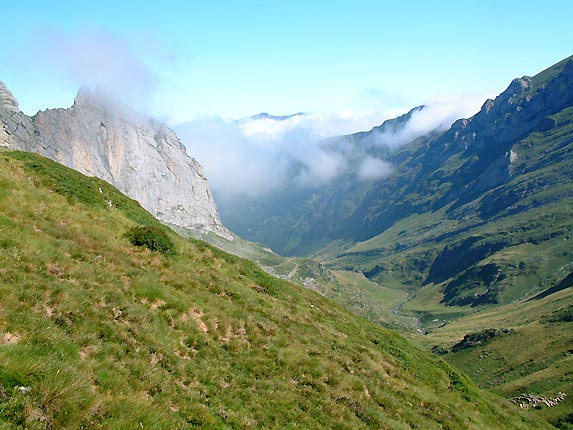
{"x":252,"y":157}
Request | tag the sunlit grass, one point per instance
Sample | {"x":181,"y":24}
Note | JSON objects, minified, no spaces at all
{"x":97,"y":333}
{"x":534,"y":357}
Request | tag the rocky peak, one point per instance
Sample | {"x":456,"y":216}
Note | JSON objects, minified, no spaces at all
{"x":489,"y":103}
{"x":99,"y":99}
{"x":394,"y":125}
{"x":16,"y":129}
{"x":84,"y":96}
{"x":486,"y":141}
{"x":517,"y":86}
{"x":568,"y":68}
{"x":7,"y":101}
{"x":522,"y":108}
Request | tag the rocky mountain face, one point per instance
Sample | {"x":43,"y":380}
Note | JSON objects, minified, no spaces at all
{"x":16,"y":127}
{"x":141,"y":157}
{"x":474,"y":156}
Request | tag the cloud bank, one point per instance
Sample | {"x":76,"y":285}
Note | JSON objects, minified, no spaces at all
{"x":250,"y":158}
{"x":438,"y":114}
{"x":374,"y":168}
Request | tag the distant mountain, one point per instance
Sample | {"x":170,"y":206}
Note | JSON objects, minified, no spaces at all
{"x":299,"y":220}
{"x":264,"y":115}
{"x":142,"y":157}
{"x":500,"y":180}
{"x":378,"y":136}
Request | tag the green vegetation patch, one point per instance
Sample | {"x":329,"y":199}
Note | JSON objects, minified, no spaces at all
{"x":480,"y":338}
{"x":528,"y":352}
{"x":152,"y":237}
{"x":562,"y":315}
{"x":79,"y":188}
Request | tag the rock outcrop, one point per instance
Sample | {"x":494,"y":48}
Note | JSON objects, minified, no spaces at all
{"x":528,"y":401}
{"x":16,"y":128}
{"x":487,"y":141}
{"x":138,"y":155}
{"x":7,"y":100}
{"x":522,"y":108}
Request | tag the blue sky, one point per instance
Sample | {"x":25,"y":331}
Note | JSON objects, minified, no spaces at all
{"x":182,"y":60}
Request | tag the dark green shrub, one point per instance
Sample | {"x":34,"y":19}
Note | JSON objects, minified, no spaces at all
{"x":561,"y":315}
{"x":565,"y":423}
{"x":153,"y":237}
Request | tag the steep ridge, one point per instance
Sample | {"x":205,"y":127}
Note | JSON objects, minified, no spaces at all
{"x":499,"y":180}
{"x":476,"y":223}
{"x":97,"y":333}
{"x":100,"y":137}
{"x":474,"y":156}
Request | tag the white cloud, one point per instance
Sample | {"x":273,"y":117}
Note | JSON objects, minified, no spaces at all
{"x":317,"y":126}
{"x":319,"y":166}
{"x":253,"y":157}
{"x":374,"y":168}
{"x":438,"y":114}
{"x":236,"y":165}
{"x":92,"y":57}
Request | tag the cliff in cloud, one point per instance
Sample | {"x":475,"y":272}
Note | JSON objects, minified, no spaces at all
{"x":141,"y":157}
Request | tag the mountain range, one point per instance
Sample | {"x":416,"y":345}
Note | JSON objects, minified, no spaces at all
{"x":468,"y":226}
{"x":456,"y":230}
{"x":452,"y":201}
{"x":265,"y":115}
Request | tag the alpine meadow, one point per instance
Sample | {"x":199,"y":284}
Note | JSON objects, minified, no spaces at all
{"x":286,"y":215}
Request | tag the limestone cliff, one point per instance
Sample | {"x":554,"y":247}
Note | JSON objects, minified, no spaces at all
{"x":15,"y":127}
{"x":141,"y":157}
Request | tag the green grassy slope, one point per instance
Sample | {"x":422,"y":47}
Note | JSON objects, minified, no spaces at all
{"x":532,"y":354}
{"x":97,"y":333}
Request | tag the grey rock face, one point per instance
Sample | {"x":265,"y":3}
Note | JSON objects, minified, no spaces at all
{"x":141,"y":157}
{"x":517,"y":111}
{"x":15,"y":127}
{"x":7,"y":101}
{"x":486,"y":140}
